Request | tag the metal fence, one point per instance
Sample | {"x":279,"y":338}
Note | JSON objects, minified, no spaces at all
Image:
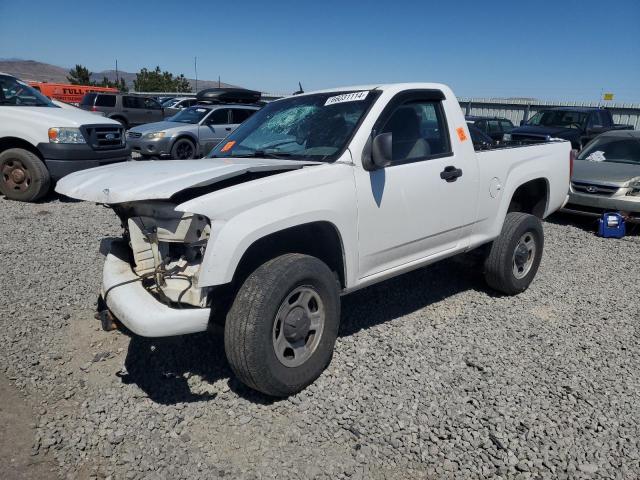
{"x":517,"y":110}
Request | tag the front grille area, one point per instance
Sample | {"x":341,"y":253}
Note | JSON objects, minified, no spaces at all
{"x":594,"y":189}
{"x":131,"y":134}
{"x":104,"y":137}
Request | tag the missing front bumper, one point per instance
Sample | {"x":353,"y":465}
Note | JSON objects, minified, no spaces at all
{"x":137,"y":309}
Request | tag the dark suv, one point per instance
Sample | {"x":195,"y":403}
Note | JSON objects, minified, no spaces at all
{"x":129,"y":110}
{"x":495,"y":127}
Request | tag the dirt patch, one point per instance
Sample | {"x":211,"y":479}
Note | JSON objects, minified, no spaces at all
{"x":16,"y":441}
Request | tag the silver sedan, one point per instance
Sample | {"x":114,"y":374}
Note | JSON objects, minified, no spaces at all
{"x":606,"y":176}
{"x":191,"y":133}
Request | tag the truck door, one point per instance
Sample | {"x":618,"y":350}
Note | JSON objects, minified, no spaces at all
{"x":213,"y":129}
{"x":423,"y":202}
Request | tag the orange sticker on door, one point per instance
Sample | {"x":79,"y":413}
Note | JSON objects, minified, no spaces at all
{"x":461,"y":134}
{"x":228,"y":146}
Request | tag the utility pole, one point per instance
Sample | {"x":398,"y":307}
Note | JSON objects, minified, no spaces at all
{"x":117,"y":73}
{"x":195,"y":65}
{"x":218,"y":81}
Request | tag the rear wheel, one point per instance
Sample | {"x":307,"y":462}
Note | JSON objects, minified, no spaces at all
{"x":282,"y":326}
{"x":514,"y":257}
{"x":23,"y":176}
{"x":183,"y":149}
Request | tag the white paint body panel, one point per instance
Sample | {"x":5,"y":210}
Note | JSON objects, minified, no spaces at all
{"x":388,"y":221}
{"x":32,"y":124}
{"x":153,"y":180}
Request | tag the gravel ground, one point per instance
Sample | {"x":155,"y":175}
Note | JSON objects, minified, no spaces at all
{"x":433,"y":376}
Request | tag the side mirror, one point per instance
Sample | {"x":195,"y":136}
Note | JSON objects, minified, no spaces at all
{"x":381,"y":152}
{"x":522,"y":122}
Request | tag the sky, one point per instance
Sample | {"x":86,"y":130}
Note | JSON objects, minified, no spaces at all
{"x":556,"y":50}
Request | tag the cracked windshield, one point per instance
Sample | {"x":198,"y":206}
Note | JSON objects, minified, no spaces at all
{"x":310,"y":127}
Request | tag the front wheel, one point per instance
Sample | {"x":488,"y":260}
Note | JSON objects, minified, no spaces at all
{"x":23,"y":176}
{"x":183,"y":149}
{"x":282,"y":326}
{"x":514,"y":257}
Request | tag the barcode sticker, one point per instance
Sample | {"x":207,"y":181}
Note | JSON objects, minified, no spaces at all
{"x":347,"y":97}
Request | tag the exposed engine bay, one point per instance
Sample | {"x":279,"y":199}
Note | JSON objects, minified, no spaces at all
{"x":167,"y":248}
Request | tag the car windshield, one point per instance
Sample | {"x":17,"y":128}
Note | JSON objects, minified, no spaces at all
{"x":168,"y":101}
{"x":559,"y":118}
{"x":189,"y":115}
{"x":307,"y":127}
{"x":15,"y":93}
{"x":612,"y":149}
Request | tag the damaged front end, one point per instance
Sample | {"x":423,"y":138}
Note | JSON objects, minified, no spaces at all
{"x":167,"y":248}
{"x":150,"y":278}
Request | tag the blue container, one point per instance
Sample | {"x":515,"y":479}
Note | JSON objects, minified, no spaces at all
{"x":611,"y":225}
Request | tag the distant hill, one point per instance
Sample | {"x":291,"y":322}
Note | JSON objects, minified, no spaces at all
{"x":45,"y":72}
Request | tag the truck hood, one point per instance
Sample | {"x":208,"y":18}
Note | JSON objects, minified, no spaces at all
{"x":535,"y":131}
{"x":162,"y":126}
{"x":56,"y":117}
{"x":160,"y":180}
{"x":605,"y":173}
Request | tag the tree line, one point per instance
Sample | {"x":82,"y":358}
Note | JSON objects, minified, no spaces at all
{"x":146,"y":80}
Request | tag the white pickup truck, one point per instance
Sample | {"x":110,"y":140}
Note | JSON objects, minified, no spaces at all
{"x":40,"y":142}
{"x":313,"y":197}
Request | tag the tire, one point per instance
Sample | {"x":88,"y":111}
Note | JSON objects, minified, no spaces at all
{"x":256,"y":335}
{"x":514,"y":257}
{"x":23,"y":176}
{"x":183,"y":149}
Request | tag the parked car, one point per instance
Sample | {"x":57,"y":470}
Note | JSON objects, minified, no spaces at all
{"x":495,"y":127}
{"x":41,"y":142}
{"x":129,"y":110}
{"x":191,"y":133}
{"x":579,"y":125}
{"x":316,"y":195}
{"x":174,"y":105}
{"x":606,"y":176}
{"x":480,"y":140}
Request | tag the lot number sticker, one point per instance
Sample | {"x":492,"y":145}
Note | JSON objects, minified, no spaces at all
{"x":347,"y":97}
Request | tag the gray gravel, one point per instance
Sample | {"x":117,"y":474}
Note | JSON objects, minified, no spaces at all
{"x":433,"y":375}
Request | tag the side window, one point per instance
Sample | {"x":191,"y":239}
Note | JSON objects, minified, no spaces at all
{"x":240,"y":115}
{"x":150,"y":103}
{"x":106,"y":101}
{"x":507,"y":126}
{"x":494,"y":126}
{"x":191,"y":103}
{"x":88,"y":99}
{"x":419,"y":131}
{"x":482,"y":125}
{"x":219,"y":117}
{"x":130,"y":102}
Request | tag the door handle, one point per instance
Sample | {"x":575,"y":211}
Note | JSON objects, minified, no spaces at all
{"x":450,"y":173}
{"x":228,"y":129}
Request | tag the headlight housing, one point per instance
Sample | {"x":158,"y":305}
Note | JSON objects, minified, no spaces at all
{"x":66,"y":135}
{"x":153,"y":135}
{"x":635,"y":189}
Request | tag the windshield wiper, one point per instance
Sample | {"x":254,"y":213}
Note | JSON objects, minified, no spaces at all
{"x":265,"y":154}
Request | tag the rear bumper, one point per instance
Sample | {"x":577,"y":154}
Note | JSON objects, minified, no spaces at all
{"x":137,"y":309}
{"x":63,"y":159}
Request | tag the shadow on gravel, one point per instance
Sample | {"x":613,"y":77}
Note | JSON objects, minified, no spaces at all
{"x":161,"y":367}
